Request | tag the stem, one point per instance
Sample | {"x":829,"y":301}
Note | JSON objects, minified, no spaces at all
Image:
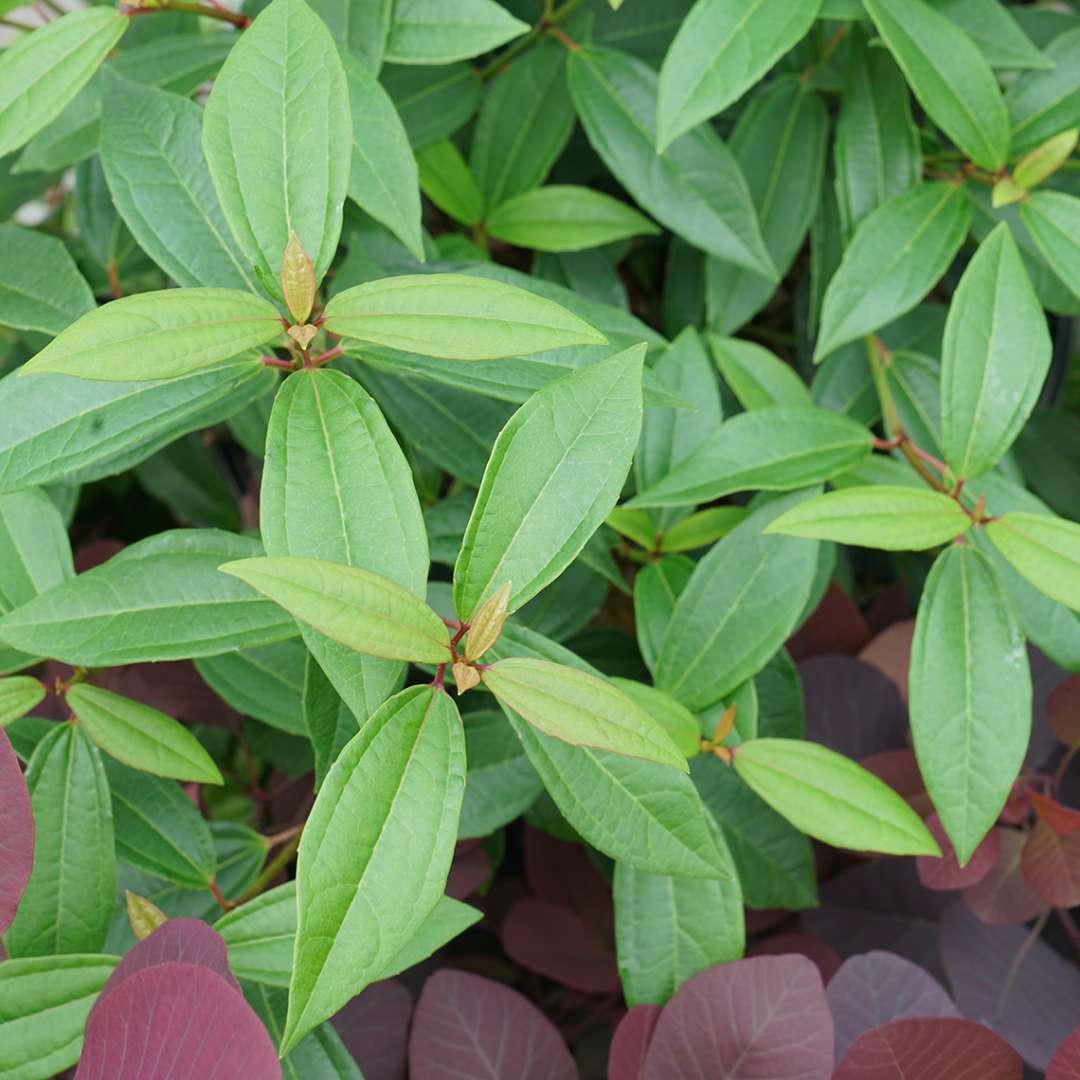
{"x":225,"y":905}
{"x":274,"y":361}
{"x":241,"y":22}
{"x":558,"y":15}
{"x":1063,"y":766}
{"x":15,"y":24}
{"x":270,"y":871}
{"x":280,"y":837}
{"x":565,"y":38}
{"x":114,"y":279}
{"x":326,"y":357}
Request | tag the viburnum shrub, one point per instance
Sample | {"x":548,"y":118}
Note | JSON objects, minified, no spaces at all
{"x":565,"y":457}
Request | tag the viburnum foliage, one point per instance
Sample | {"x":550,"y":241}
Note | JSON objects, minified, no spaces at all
{"x":539,"y":539}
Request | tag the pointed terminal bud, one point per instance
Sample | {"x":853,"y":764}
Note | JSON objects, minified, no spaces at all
{"x":724,"y":725}
{"x":465,"y":676}
{"x":487,"y":624}
{"x":1044,"y":160}
{"x":1007,"y":191}
{"x":297,"y":280}
{"x":303,"y":335}
{"x":144,"y":916}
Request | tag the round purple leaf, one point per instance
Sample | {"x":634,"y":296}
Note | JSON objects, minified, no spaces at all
{"x":630,"y":1044}
{"x":16,"y":833}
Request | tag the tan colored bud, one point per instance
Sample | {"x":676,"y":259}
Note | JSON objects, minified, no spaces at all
{"x":465,"y":676}
{"x":487,"y":623}
{"x":302,"y":335}
{"x":1007,"y":191}
{"x":144,"y":916}
{"x":297,"y":280}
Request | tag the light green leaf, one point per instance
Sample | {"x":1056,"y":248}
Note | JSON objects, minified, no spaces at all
{"x":995,"y":357}
{"x":563,"y":217}
{"x":456,"y":317}
{"x":694,"y":187}
{"x":554,"y":474}
{"x":831,"y":798}
{"x":69,"y":899}
{"x":365,"y":611}
{"x":159,"y":335}
{"x":676,"y":719}
{"x":721,"y":50}
{"x":42,"y":71}
{"x":970,"y":718}
{"x":702,"y":529}
{"x":772,"y":449}
{"x":160,"y":599}
{"x":367,"y":877}
{"x":40,"y":286}
{"x":1044,"y":549}
{"x":1053,"y":219}
{"x":360,"y":27}
{"x":260,"y":936}
{"x":949,"y":76}
{"x":1043,"y":103}
{"x":286,"y":172}
{"x":580,"y":709}
{"x":141,"y":736}
{"x":431,"y":32}
{"x":44,"y":1003}
{"x":756,"y":376}
{"x":18,"y":695}
{"x":448,"y":183}
{"x":447,"y":919}
{"x":501,"y":784}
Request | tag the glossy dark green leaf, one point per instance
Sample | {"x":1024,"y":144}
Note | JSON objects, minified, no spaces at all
{"x":433,"y":102}
{"x":991,"y":25}
{"x":657,"y":587}
{"x":1043,"y":103}
{"x":1053,"y":219}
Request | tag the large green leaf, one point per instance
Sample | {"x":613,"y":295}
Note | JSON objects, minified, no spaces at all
{"x":895,"y":258}
{"x":42,"y":71}
{"x":694,"y":187}
{"x":160,"y":599}
{"x":159,"y":335}
{"x":757,"y":377}
{"x":365,"y":611}
{"x":677,"y":720}
{"x":1053,"y":219}
{"x":949,"y":76}
{"x":430,"y":32}
{"x":69,"y":899}
{"x":286,"y":172}
{"x":360,"y":27}
{"x":40,"y":286}
{"x":970,"y":714}
{"x":992,"y":27}
{"x":1044,"y":103}
{"x":721,"y":50}
{"x":554,"y":474}
{"x":1044,"y":549}
{"x":367,"y":877}
{"x":994,"y":359}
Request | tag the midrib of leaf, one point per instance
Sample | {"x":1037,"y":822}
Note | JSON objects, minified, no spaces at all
{"x":60,"y":863}
{"x":143,"y":737}
{"x":331,"y":462}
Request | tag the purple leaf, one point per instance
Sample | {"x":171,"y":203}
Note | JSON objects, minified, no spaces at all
{"x":938,"y":1049}
{"x":765,"y":1016}
{"x":630,"y":1044}
{"x":944,"y":872}
{"x":890,"y":653}
{"x":470,"y":869}
{"x":836,"y":626}
{"x":1028,"y":997}
{"x":1065,"y":1064}
{"x":374,"y":1027}
{"x":1051,"y":865}
{"x":1004,"y":896}
{"x":176,"y":1019}
{"x":16,"y":833}
{"x":563,"y":874}
{"x":465,"y":1025}
{"x":825,"y":957}
{"x":1046,"y":677}
{"x":1063,"y":711}
{"x":877,"y":988}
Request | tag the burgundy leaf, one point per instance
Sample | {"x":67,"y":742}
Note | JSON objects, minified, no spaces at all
{"x":468,"y":1026}
{"x":890,"y":653}
{"x":836,"y":626}
{"x":1063,"y":710}
{"x":1065,"y":1064}
{"x":1046,"y":677}
{"x":827,"y":959}
{"x":630,"y":1044}
{"x":945,"y":872}
{"x":555,"y":941}
{"x":374,"y":1027}
{"x":172,"y":686}
{"x":563,"y":874}
{"x":877,"y":988}
{"x":936,"y":1049}
{"x":95,"y":553}
{"x":1024,"y":990}
{"x":1051,"y":865}
{"x":176,"y":1020}
{"x":890,"y":606}
{"x":16,"y":833}
{"x":1004,"y":896}
{"x":470,"y":869}
{"x":1062,"y":819}
{"x":762,"y":1017}
{"x":899,"y":769}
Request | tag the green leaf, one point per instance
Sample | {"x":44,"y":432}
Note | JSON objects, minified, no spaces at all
{"x":772,"y":448}
{"x":429,"y":32}
{"x":260,"y":936}
{"x":158,"y":828}
{"x":694,"y":187}
{"x":739,"y":606}
{"x":367,"y":877}
{"x":448,"y":183}
{"x":563,"y":217}
{"x":992,"y":27}
{"x":456,"y":317}
{"x":40,"y":286}
{"x":995,"y":357}
{"x":160,"y":599}
{"x":286,"y":172}
{"x":895,"y":258}
{"x":1044,"y":103}
{"x":1044,"y":160}
{"x":141,"y":736}
{"x":656,"y":589}
{"x":433,"y":102}
{"x":383,"y":179}
{"x":1044,"y":549}
{"x":365,"y":611}
{"x":970,"y":718}
{"x":42,"y":71}
{"x":831,"y":798}
{"x":677,"y":720}
{"x":44,"y":1003}
{"x":554,"y":474}
{"x":159,"y":335}
{"x":1053,"y":219}
{"x":72,"y":889}
{"x":756,"y":376}
{"x":448,"y":918}
{"x":18,"y":695}
{"x":949,"y":76}
{"x":360,"y":29}
{"x":580,"y":709}
{"x":720,"y":51}
{"x":701,"y":529}
{"x":328,"y":722}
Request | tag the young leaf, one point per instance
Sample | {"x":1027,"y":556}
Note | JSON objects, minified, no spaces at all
{"x":757,"y":377}
{"x":829,"y":797}
{"x":365,"y":611}
{"x":456,"y":317}
{"x":889,"y":517}
{"x":895,"y":258}
{"x":720,"y":51}
{"x":367,"y":877}
{"x":1044,"y":549}
{"x":1045,"y":160}
{"x":995,"y":357}
{"x":487,"y":623}
{"x":554,"y":474}
{"x":1053,"y":219}
{"x":949,"y":76}
{"x":297,"y":280}
{"x":40,"y":285}
{"x":159,"y":335}
{"x":18,"y":695}
{"x":427,"y":32}
{"x":580,"y":709}
{"x":970,"y":719}
{"x":141,"y":736}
